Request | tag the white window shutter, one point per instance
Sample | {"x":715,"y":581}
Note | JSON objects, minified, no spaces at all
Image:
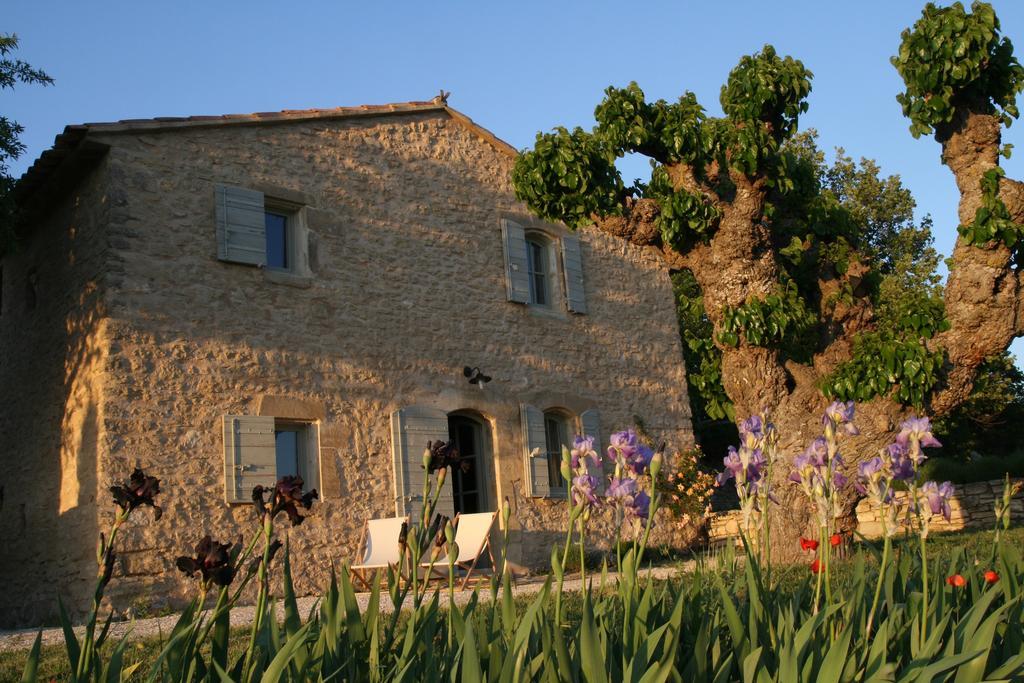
{"x":517,"y":276}
{"x":590,"y":423}
{"x":241,"y":225}
{"x":412,"y":428}
{"x":572,"y":268}
{"x":250,"y":456}
{"x":535,"y":447}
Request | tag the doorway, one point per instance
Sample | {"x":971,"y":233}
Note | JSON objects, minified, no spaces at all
{"x":470,"y":481}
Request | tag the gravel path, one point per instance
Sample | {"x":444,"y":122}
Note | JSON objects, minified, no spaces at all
{"x":156,"y":627}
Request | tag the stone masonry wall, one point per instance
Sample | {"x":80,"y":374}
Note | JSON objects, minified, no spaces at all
{"x":52,"y":356}
{"x":407,"y":288}
{"x":972,"y":505}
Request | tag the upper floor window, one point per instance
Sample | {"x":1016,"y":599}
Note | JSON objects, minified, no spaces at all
{"x":260,"y":231}
{"x":543,"y":268}
{"x":538,"y":266}
{"x":277,"y":240}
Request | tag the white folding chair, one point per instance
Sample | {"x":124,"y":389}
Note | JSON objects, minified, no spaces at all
{"x":472,"y":536}
{"x":380,"y":547}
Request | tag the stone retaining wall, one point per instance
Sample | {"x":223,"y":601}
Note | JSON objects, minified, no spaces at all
{"x":973,"y":506}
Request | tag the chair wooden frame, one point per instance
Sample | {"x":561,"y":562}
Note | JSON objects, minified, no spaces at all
{"x":465,"y":562}
{"x":363,"y":571}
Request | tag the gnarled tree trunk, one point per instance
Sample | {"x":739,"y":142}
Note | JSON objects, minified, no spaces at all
{"x":983,"y":304}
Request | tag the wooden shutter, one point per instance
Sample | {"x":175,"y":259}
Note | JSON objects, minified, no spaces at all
{"x":590,"y":423}
{"x":250,"y":456}
{"x":517,"y":276}
{"x":241,"y":225}
{"x":572,"y":268}
{"x":412,"y":429}
{"x":535,"y":452}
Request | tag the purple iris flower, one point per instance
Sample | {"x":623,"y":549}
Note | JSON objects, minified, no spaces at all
{"x":917,"y":429}
{"x":621,"y":488}
{"x":839,"y":413}
{"x":640,"y":461}
{"x":869,"y":473}
{"x":937,"y":496}
{"x":583,"y":447}
{"x":839,"y":480}
{"x":622,"y":445}
{"x":900,"y":463}
{"x":733,"y":466}
{"x":641,"y":506}
{"x":584,"y":489}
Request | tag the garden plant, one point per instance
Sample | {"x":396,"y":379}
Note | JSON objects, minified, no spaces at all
{"x":896,"y":617}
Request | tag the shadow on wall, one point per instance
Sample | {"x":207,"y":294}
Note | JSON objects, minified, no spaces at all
{"x":50,"y":421}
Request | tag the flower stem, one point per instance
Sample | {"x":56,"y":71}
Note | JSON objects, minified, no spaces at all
{"x":883,"y":567}
{"x":924,"y":589}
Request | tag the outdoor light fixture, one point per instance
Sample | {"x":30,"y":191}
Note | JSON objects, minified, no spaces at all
{"x":475,"y":376}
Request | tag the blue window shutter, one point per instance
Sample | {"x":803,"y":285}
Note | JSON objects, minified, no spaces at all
{"x":535,"y":447}
{"x":250,"y":456}
{"x":412,"y":428}
{"x":241,"y":225}
{"x":572,"y":268}
{"x":517,"y":277}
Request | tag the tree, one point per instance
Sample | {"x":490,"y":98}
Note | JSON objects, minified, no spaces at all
{"x":785,"y":268}
{"x":12,"y":71}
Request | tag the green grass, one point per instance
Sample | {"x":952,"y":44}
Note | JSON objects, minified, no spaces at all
{"x":53,"y":661}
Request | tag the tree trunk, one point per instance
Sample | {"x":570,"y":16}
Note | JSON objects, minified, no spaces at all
{"x":983,"y":304}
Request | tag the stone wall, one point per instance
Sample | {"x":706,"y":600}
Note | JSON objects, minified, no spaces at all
{"x":407,"y":288}
{"x":972,"y":505}
{"x":52,"y":359}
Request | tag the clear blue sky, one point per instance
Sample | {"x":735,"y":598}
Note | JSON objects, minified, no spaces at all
{"x":514,"y":67}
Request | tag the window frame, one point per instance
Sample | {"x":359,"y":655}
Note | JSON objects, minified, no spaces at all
{"x":561,"y":418}
{"x":294,"y":229}
{"x":308,"y":447}
{"x":547,"y":245}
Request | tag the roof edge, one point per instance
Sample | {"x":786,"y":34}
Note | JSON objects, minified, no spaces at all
{"x":35,"y":178}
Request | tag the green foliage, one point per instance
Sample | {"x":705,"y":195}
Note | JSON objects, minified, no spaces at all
{"x":954,"y":59}
{"x":668,"y":133}
{"x":991,"y":420}
{"x":767,"y":88}
{"x":12,"y":72}
{"x":780,"y":319}
{"x":685,"y":217}
{"x":992,"y":220}
{"x":962,"y":471}
{"x":703,"y":359}
{"x":886,"y":365}
{"x":569,"y":177}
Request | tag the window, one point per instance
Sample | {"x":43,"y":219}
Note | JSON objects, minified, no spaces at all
{"x":277,"y":240}
{"x":261,"y":231}
{"x":469,"y":490}
{"x":556,"y":432}
{"x":543,"y":268}
{"x":539,"y":270}
{"x":259,"y":450}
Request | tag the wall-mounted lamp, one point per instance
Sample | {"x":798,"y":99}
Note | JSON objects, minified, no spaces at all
{"x":475,"y":376}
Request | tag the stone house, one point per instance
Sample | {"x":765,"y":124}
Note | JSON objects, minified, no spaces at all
{"x":223,"y":300}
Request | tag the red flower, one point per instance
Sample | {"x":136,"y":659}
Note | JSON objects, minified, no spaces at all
{"x":808,"y":544}
{"x":816,"y":567}
{"x":991,"y":576}
{"x":957,"y":581}
{"x":835,"y":540}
